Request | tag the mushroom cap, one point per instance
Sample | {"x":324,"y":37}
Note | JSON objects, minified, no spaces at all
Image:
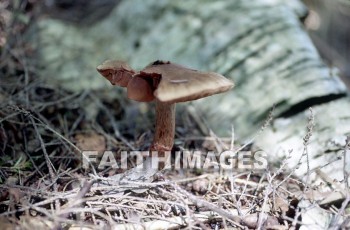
{"x":116,"y":72}
{"x":179,"y":84}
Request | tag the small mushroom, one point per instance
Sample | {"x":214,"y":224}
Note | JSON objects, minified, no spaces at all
{"x":166,"y":83}
{"x":116,"y":72}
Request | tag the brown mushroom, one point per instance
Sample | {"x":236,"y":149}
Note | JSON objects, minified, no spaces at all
{"x":167,"y":84}
{"x":116,"y":72}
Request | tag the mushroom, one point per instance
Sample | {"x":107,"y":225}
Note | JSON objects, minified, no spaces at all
{"x":166,"y":83}
{"x":116,"y":72}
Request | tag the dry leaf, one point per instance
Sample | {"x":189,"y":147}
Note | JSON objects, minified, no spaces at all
{"x":91,"y":142}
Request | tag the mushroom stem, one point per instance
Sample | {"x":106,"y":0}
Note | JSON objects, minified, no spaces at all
{"x":165,"y":127}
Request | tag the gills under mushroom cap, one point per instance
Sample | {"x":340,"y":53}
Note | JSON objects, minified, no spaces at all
{"x":140,"y":89}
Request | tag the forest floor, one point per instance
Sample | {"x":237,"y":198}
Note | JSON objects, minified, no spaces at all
{"x":43,"y":184}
